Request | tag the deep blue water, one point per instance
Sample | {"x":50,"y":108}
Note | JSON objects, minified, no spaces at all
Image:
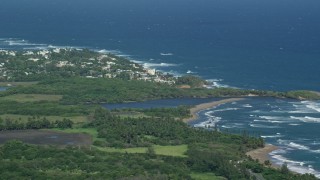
{"x":246,"y":44}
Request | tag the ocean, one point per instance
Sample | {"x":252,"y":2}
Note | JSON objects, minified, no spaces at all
{"x":272,"y":45}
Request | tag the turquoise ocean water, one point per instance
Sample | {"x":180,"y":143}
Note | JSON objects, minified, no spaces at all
{"x":249,"y":44}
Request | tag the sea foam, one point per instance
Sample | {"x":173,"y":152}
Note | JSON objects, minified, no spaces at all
{"x":312,"y":105}
{"x":301,"y":167}
{"x":152,"y":65}
{"x":263,"y":126}
{"x":306,"y":119}
{"x":272,"y":136}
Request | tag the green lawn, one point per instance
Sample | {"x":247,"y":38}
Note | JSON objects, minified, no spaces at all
{"x":32,"y":97}
{"x":171,"y":150}
{"x":206,"y":176}
{"x":177,"y":151}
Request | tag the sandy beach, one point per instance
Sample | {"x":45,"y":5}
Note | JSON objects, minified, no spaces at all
{"x":262,"y":154}
{"x":204,"y":106}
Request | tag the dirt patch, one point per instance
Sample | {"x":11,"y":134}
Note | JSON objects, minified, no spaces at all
{"x":44,"y":137}
{"x":262,"y":154}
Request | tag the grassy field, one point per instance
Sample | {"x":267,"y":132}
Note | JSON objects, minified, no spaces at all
{"x":24,"y":118}
{"x":32,"y":97}
{"x":17,"y":83}
{"x":206,"y":176}
{"x":177,"y":151}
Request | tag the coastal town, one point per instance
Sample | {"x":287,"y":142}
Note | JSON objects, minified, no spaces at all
{"x":67,"y":62}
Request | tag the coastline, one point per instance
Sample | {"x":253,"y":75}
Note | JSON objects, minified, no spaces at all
{"x":262,"y":154}
{"x":194,"y":111}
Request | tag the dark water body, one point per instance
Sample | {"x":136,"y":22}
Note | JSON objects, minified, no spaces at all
{"x":46,"y":137}
{"x":161,"y":103}
{"x":3,"y":88}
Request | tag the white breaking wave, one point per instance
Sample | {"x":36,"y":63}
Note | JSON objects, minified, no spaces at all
{"x":298,"y":146}
{"x":226,"y":109}
{"x":299,"y":112}
{"x":247,"y":106}
{"x":269,"y":117}
{"x":138,"y":62}
{"x":216,"y":83}
{"x":273,"y":136}
{"x":190,"y":72}
{"x":208,"y":114}
{"x":209,"y":123}
{"x":316,"y":151}
{"x":296,"y":166}
{"x":312,"y":105}
{"x":166,"y":54}
{"x":26,"y":45}
{"x":306,"y":119}
{"x":104,"y":51}
{"x":227,"y":127}
{"x":232,"y":125}
{"x":306,"y":107}
{"x":294,"y":124}
{"x":219,"y":85}
{"x":263,"y":126}
{"x":258,"y":120}
{"x":21,"y":42}
{"x":151,"y":65}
